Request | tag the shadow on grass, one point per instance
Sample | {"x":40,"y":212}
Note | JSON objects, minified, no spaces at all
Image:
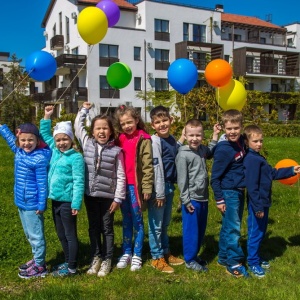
{"x":294,"y":240}
{"x":273,"y":247}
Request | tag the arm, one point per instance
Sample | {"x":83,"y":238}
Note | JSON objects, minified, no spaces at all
{"x":78,"y":181}
{"x":9,"y":137}
{"x":283,"y":173}
{"x":42,"y":184}
{"x":45,"y":126}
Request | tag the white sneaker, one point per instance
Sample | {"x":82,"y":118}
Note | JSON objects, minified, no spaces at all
{"x":95,"y":266}
{"x":105,"y":268}
{"x":124,"y":261}
{"x":136,"y":263}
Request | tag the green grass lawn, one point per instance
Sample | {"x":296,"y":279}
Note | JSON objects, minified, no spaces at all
{"x":281,"y":247}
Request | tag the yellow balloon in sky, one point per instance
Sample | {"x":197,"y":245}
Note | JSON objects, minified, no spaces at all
{"x":92,"y":25}
{"x":232,"y":95}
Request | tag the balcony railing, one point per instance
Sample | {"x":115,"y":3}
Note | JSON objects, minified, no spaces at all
{"x":57,"y":42}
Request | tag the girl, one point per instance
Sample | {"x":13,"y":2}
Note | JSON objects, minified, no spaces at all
{"x":32,"y":157}
{"x":66,"y":186}
{"x":104,"y":185}
{"x":136,"y":144}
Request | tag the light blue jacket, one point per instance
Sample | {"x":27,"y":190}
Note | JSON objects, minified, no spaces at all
{"x":30,"y":173}
{"x":66,"y":173}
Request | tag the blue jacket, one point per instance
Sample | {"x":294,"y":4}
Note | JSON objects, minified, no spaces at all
{"x":30,"y":173}
{"x":258,"y":177}
{"x":227,"y":169}
{"x":66,"y":173}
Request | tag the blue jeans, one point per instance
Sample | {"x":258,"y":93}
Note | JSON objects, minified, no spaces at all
{"x":132,"y":219}
{"x":256,"y":232}
{"x":193,"y":229}
{"x":230,"y":251}
{"x":159,"y":219}
{"x":33,"y":226}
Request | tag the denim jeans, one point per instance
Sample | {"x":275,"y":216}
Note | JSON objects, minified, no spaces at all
{"x":256,"y":232}
{"x":66,"y":229}
{"x":159,"y":219}
{"x":193,"y":229}
{"x":133,"y":224}
{"x":33,"y":226}
{"x":230,"y":251}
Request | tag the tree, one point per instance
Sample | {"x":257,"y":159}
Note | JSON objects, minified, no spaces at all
{"x":16,"y":106}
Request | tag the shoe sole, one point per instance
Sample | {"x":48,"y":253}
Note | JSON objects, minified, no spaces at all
{"x":169,"y":272}
{"x":236,"y":276}
{"x":34,"y":276}
{"x":175,"y":264}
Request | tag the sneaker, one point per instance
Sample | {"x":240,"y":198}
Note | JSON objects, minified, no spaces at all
{"x":172,"y":260}
{"x":258,"y":271}
{"x":136,"y":263}
{"x":34,"y":271}
{"x":193,"y":265}
{"x":222,"y":263}
{"x":239,"y":271}
{"x":265,"y":264}
{"x":105,"y":268}
{"x":60,"y":267}
{"x":201,"y":261}
{"x":63,"y":273}
{"x":124,"y":261}
{"x":161,"y":265}
{"x":27,"y":265}
{"x":95,"y":266}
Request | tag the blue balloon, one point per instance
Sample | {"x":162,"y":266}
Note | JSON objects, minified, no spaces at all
{"x":182,"y":75}
{"x":40,"y":65}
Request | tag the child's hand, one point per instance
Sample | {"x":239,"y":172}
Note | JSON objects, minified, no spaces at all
{"x":160,"y":202}
{"x":39,"y":212}
{"x":222,"y":208}
{"x":74,"y":212}
{"x":48,"y":111}
{"x":114,"y":206}
{"x":147,"y":197}
{"x":190,"y":208}
{"x":87,"y":105}
{"x":217,"y":129}
{"x":182,"y":137}
{"x":297,"y":169}
{"x":259,"y":214}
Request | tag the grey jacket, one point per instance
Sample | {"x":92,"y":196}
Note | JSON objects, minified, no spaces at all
{"x":104,"y":164}
{"x":192,"y":177}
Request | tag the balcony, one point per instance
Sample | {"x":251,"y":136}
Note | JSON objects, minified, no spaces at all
{"x":162,"y":65}
{"x":110,"y":93}
{"x":57,"y":42}
{"x":65,"y":62}
{"x":63,"y":93}
{"x":162,"y":36}
{"x":255,"y":61}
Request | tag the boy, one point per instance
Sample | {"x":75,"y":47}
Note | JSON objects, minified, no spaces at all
{"x":164,"y":148}
{"x":228,"y":184}
{"x":258,"y":177}
{"x":193,"y":185}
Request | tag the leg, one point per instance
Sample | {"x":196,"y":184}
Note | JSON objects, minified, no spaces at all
{"x":202,"y":221}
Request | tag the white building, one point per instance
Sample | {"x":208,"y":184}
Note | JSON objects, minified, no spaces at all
{"x":149,"y":36}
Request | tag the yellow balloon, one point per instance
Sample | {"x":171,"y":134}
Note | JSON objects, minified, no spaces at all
{"x":232,"y":95}
{"x":92,"y":25}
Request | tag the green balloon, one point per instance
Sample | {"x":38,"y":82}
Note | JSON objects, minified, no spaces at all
{"x":118,"y":75}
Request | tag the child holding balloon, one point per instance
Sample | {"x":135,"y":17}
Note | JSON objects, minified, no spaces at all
{"x":136,"y":144}
{"x":258,"y":178}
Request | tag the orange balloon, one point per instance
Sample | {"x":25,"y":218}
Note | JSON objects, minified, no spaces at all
{"x":285,"y":163}
{"x":218,"y":72}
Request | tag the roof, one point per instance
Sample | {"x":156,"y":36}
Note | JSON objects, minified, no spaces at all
{"x":250,"y":21}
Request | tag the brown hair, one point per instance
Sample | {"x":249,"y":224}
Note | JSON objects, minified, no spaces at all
{"x":123,"y":110}
{"x":251,"y":129}
{"x":159,"y":112}
{"x":194,"y":123}
{"x":233,"y":116}
{"x":109,"y":121}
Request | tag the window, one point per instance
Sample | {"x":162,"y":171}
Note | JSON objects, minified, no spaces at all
{"x":162,"y":30}
{"x":249,"y":86}
{"x":137,"y":83}
{"x":67,"y":30}
{"x":137,"y":53}
{"x":290,"y":42}
{"x":54,"y":30}
{"x":237,"y":37}
{"x":161,"y":59}
{"x":249,"y":64}
{"x":108,"y":54}
{"x":262,"y":40}
{"x":199,"y":59}
{"x":199,"y":33}
{"x":106,"y":91}
{"x":161,"y":84}
{"x":75,"y":51}
{"x":60,"y":23}
{"x":185,"y":31}
{"x":226,"y":57}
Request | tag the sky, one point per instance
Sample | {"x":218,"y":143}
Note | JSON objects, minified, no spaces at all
{"x":22,"y":34}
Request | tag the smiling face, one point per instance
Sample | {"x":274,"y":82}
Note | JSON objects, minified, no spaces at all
{"x":233,"y":131}
{"x":162,"y":126}
{"x":128,"y":123}
{"x":63,"y":142}
{"x":255,"y":142}
{"x":101,"y":131}
{"x":27,"y":141}
{"x":194,"y":136}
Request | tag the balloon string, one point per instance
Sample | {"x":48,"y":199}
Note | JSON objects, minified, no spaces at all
{"x":218,"y":97}
{"x":74,"y":77}
{"x":184,"y":108}
{"x":110,"y":102}
{"x":15,"y":87}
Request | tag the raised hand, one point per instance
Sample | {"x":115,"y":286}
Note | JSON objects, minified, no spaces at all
{"x":49,"y":109}
{"x":87,"y":105}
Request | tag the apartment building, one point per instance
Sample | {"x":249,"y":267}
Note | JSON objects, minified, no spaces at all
{"x":149,"y":36}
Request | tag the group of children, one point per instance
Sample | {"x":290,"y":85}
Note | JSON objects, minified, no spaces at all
{"x":135,"y":171}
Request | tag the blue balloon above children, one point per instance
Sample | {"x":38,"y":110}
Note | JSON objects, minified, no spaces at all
{"x":182,"y":75}
{"x":111,"y":11}
{"x":40,"y":65}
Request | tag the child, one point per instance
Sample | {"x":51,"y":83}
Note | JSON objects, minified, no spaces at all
{"x":104,"y":186}
{"x":136,"y":144}
{"x":228,"y":184}
{"x":164,"y":147}
{"x":258,"y":177}
{"x":32,"y":157}
{"x":66,"y":186}
{"x":193,"y":184}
